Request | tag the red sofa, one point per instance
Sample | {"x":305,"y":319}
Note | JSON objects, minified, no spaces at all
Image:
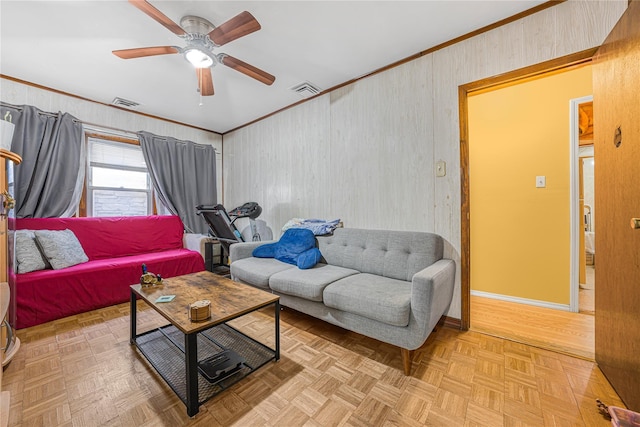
{"x":116,"y":248}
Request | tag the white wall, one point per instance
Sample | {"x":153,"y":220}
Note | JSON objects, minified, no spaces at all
{"x":102,"y":115}
{"x":366,"y":152}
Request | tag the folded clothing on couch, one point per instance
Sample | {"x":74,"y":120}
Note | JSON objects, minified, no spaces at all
{"x":319,"y":227}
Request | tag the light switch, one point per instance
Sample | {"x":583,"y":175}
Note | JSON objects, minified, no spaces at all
{"x":541,"y":181}
{"x":441,"y":168}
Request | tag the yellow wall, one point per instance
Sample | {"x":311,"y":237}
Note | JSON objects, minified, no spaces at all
{"x":520,"y":234}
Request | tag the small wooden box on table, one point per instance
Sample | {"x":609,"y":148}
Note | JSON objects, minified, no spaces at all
{"x":176,"y":349}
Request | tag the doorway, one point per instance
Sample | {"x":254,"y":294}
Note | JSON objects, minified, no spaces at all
{"x":519,"y":229}
{"x":587,"y":281}
{"x":582,"y":206}
{"x":586,"y":196}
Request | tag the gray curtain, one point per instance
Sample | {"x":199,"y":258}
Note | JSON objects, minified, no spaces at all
{"x":183,"y":175}
{"x":48,"y":181}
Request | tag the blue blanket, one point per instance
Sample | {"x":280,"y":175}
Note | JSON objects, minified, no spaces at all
{"x":296,"y":246}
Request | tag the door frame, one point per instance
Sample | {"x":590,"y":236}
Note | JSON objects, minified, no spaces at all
{"x":575,"y":223}
{"x":509,"y":78}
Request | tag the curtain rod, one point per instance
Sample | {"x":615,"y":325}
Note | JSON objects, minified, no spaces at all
{"x":94,"y":126}
{"x":178,"y":141}
{"x":91,"y":126}
{"x":42,"y":113}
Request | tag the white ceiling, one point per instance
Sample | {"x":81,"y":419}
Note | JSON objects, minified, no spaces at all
{"x":66,"y":45}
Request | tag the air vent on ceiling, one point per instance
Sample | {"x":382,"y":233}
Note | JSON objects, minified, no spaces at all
{"x":306,"y":89}
{"x":121,"y":102}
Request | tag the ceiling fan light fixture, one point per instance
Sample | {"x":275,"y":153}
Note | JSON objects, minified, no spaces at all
{"x":202,"y":40}
{"x":198,"y":58}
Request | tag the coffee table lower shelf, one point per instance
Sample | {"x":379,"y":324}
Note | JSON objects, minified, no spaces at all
{"x":164,"y":349}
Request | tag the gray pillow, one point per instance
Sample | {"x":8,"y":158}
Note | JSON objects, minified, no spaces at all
{"x":61,"y":248}
{"x":28,"y":255}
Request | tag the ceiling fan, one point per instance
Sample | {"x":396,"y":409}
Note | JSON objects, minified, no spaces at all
{"x":203,"y":38}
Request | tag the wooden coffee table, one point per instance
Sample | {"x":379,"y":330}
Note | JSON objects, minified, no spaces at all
{"x":178,"y":349}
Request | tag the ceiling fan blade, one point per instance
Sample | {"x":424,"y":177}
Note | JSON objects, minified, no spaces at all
{"x":205,"y":81}
{"x":236,"y":27}
{"x":249,"y":70}
{"x":145,"y":51}
{"x":158,"y":16}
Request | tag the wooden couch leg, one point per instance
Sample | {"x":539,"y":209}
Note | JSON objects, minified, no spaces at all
{"x":407,"y":356}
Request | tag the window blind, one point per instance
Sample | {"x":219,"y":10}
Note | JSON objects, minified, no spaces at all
{"x":119,"y":154}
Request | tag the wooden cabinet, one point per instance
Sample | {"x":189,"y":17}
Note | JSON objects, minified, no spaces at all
{"x":9,"y":344}
{"x":4,"y":395}
{"x":3,"y":225}
{"x":4,"y":258}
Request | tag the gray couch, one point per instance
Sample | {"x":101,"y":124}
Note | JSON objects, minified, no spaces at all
{"x":393,"y":286}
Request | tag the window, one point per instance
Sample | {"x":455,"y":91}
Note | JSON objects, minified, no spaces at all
{"x":118,"y":183}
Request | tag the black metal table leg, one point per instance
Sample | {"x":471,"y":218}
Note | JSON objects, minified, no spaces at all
{"x":132,"y":333}
{"x":191,"y":362}
{"x":277,"y":320}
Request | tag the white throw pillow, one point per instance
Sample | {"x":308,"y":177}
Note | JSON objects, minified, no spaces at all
{"x":61,"y":248}
{"x":28,"y":256}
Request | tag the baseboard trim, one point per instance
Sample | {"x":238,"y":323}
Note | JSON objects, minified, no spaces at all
{"x":537,"y":303}
{"x":451,"y":322}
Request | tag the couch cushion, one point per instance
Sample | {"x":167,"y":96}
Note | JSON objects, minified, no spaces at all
{"x":395,"y":254}
{"x":116,"y":236}
{"x":308,"y":284}
{"x":375,"y":297}
{"x":257,"y":271}
{"x":61,"y":248}
{"x":28,"y":256}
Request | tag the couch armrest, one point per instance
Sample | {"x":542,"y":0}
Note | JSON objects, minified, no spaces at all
{"x":243,"y":250}
{"x":196,"y":242}
{"x":432,"y":291}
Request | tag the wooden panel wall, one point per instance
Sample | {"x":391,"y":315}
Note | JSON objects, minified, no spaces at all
{"x":381,"y":136}
{"x":282,"y":163}
{"x":91,"y":112}
{"x":380,"y":142}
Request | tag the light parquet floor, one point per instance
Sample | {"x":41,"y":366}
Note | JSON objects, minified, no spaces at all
{"x":82,"y":371}
{"x":556,"y":330}
{"x":587,"y":301}
{"x":586,"y":298}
